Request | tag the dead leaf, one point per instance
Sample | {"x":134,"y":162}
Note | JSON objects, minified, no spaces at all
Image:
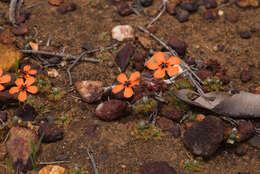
{"x":8,"y":56}
{"x":240,"y":105}
{"x":34,"y":46}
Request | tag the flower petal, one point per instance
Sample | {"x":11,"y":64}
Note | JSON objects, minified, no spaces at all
{"x":19,"y":82}
{"x":1,"y":71}
{"x":29,"y":81}
{"x":172,"y":71}
{"x":26,"y":68}
{"x":134,"y":76}
{"x":32,"y":71}
{"x":160,"y":73}
{"x":174,"y":60}
{"x":152,"y":65}
{"x":128,"y":92}
{"x":2,"y":87}
{"x":5,"y":79}
{"x":137,"y":82}
{"x":117,"y":88}
{"x":159,"y":57}
{"x":122,"y":78}
{"x":22,"y":96}
{"x":32,"y":89}
{"x":14,"y":90}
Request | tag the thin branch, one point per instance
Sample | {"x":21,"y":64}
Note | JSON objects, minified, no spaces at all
{"x":19,"y":6}
{"x":160,"y":13}
{"x":68,"y":56}
{"x":34,"y":5}
{"x":53,"y":162}
{"x":12,"y":8}
{"x":72,"y":65}
{"x":90,"y":154}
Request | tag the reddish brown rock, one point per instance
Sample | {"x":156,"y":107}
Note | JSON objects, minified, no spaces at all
{"x":55,"y":2}
{"x":112,"y":109}
{"x":19,"y":147}
{"x":210,"y":14}
{"x":66,"y":7}
{"x":125,"y":10}
{"x":3,"y":116}
{"x":22,"y":29}
{"x":204,"y":74}
{"x":171,"y":8}
{"x":26,"y":113}
{"x":210,"y":4}
{"x":245,"y":130}
{"x":123,"y":56}
{"x":164,"y":123}
{"x":178,"y":45}
{"x":171,"y":112}
{"x":50,"y":133}
{"x":203,"y":138}
{"x":159,"y":167}
{"x":232,"y":16}
{"x":246,"y":75}
{"x":242,"y":3}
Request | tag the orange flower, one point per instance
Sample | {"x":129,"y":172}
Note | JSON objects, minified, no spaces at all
{"x":4,"y":79}
{"x":161,"y":65}
{"x":26,"y":72}
{"x":22,"y":87}
{"x":127,"y":84}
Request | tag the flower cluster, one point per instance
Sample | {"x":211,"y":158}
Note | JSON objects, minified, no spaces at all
{"x":24,"y":83}
{"x":4,"y":79}
{"x":158,"y":62}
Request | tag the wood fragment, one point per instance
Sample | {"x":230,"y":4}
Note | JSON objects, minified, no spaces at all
{"x":90,"y":154}
{"x":12,"y":8}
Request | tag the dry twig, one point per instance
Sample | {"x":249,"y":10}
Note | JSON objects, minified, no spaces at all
{"x":12,"y":8}
{"x":163,"y":8}
{"x":53,"y":162}
{"x":19,"y":6}
{"x":90,"y":154}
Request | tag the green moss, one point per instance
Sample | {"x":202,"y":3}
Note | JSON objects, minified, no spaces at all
{"x":192,"y":165}
{"x":181,"y":84}
{"x":56,"y":94}
{"x":43,"y":84}
{"x":145,"y":106}
{"x":191,"y":117}
{"x":143,"y":130}
{"x":173,"y":100}
{"x":213,"y":84}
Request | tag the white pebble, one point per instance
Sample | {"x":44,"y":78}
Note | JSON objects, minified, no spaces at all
{"x":122,"y":32}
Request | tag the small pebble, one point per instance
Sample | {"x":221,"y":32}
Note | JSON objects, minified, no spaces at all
{"x":220,"y":12}
{"x":171,"y":8}
{"x":245,"y":34}
{"x":87,"y":46}
{"x":210,"y":14}
{"x":182,"y":15}
{"x":232,"y":16}
{"x":66,"y":7}
{"x":210,"y":4}
{"x":146,"y":3}
{"x":241,"y":150}
{"x":122,"y":32}
{"x":124,"y":10}
{"x":22,"y":29}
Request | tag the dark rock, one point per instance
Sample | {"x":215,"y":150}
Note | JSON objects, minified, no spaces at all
{"x":112,"y":109}
{"x":23,"y":17}
{"x":191,"y":6}
{"x":91,"y":130}
{"x":125,"y":10}
{"x":146,"y":3}
{"x":225,"y":79}
{"x":90,"y":91}
{"x":139,"y":66}
{"x":54,"y":60}
{"x":158,"y":167}
{"x":164,"y":123}
{"x":214,"y":66}
{"x":245,"y":130}
{"x":220,"y":47}
{"x":242,"y":3}
{"x":171,"y":112}
{"x":245,"y":34}
{"x":87,"y":46}
{"x":176,"y":131}
{"x":66,"y":7}
{"x":123,"y":56}
{"x":3,"y":116}
{"x":210,"y":14}
{"x":210,"y":4}
{"x":246,"y":75}
{"x":241,"y":150}
{"x":255,"y":141}
{"x":26,"y":112}
{"x":178,"y":45}
{"x":204,"y":74}
{"x":224,"y":1}
{"x":19,"y":147}
{"x":203,"y":138}
{"x":182,"y":15}
{"x":6,"y":98}
{"x":22,"y":29}
{"x":232,"y":16}
{"x":171,"y":8}
{"x":139,"y":62}
{"x":50,"y":133}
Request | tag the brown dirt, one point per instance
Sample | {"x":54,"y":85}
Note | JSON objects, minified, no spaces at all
{"x":113,"y":145}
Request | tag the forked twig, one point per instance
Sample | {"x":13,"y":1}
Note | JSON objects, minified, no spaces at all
{"x":90,"y":154}
{"x":163,"y":7}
